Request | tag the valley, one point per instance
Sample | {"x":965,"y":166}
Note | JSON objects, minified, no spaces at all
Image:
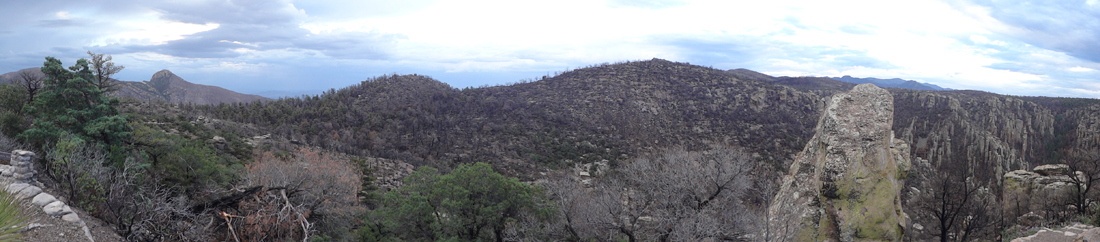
{"x":589,"y":132}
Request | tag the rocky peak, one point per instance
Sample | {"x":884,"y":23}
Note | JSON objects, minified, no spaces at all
{"x":162,"y":80}
{"x":162,"y":74}
{"x":845,"y":184}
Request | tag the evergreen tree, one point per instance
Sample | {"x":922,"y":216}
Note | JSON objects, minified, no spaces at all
{"x":472,"y":203}
{"x":71,"y":103}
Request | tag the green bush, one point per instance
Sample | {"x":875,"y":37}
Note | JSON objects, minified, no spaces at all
{"x":471,"y":203}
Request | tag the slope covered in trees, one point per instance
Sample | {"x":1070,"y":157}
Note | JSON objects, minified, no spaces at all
{"x":606,"y":112}
{"x":619,"y":111}
{"x":181,"y":164}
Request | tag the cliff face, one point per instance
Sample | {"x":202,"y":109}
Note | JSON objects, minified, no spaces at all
{"x":989,"y":134}
{"x":845,"y":185}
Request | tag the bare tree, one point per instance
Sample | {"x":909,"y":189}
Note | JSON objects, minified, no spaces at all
{"x":103,"y":69}
{"x":31,"y":80}
{"x":571,"y":200}
{"x":1084,"y":167}
{"x":759,"y":198}
{"x":958,"y":208}
{"x":307,"y":191}
{"x":699,"y":193}
{"x":676,"y":196}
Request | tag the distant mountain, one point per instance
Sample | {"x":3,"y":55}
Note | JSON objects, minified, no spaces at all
{"x":289,"y":94}
{"x":170,"y":87}
{"x":895,"y":83}
{"x":165,"y":86}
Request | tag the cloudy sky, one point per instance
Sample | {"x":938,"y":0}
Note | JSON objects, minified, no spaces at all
{"x":1002,"y":46}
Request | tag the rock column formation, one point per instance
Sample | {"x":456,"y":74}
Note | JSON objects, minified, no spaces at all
{"x":846,"y":183}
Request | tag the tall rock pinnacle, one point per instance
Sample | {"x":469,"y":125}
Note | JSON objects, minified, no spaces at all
{"x":846,"y":183}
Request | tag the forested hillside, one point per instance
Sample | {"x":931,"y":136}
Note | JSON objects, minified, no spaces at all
{"x":375,"y":160}
{"x":606,"y":112}
{"x":621,"y":111}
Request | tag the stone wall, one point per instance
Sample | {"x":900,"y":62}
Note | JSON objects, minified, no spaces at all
{"x":19,"y":180}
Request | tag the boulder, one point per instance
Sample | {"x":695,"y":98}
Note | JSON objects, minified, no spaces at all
{"x":1030,"y":194}
{"x":29,"y":191}
{"x":846,"y":183}
{"x":1092,"y":235}
{"x":72,"y":218}
{"x":219,"y":142}
{"x":1052,"y":170}
{"x":15,"y":187}
{"x":57,"y":208}
{"x":43,"y":198}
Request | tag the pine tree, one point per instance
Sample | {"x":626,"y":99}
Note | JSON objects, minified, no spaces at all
{"x":72,"y":104}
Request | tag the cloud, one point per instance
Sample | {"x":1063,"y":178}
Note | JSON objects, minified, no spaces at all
{"x":1072,"y":27}
{"x":857,"y":29}
{"x":648,"y":4}
{"x":796,"y":22}
{"x":58,"y":23}
{"x":764,"y":53}
{"x":1081,"y":69}
{"x":228,"y":29}
{"x":1005,"y":47}
{"x":351,"y":44}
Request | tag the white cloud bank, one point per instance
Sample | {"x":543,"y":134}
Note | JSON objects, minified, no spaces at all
{"x":257,"y":46}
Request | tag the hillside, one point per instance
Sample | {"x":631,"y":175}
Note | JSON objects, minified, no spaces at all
{"x":164,"y":86}
{"x":621,"y":110}
{"x":569,"y":129}
{"x":607,"y":112}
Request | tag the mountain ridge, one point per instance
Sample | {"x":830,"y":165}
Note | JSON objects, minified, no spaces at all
{"x":165,"y":86}
{"x":650,"y":99}
{"x":893,"y":82}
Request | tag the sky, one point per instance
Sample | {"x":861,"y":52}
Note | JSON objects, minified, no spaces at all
{"x":293,"y":47}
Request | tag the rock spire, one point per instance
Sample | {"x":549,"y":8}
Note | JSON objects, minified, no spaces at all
{"x":845,"y":185}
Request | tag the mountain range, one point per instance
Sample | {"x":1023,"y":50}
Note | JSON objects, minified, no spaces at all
{"x":163,"y":86}
{"x":894,"y":82}
{"x":609,"y":115}
{"x":616,"y":110}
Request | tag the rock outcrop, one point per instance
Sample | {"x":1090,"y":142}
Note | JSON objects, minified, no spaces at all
{"x":1074,"y":233}
{"x":845,"y":184}
{"x":1029,"y":195}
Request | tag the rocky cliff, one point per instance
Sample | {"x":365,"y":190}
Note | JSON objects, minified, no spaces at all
{"x":1032,"y":196}
{"x":845,"y":184}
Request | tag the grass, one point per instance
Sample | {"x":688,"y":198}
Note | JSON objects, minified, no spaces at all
{"x":11,"y":218}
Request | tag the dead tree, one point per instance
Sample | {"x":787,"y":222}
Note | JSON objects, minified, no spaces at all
{"x":31,"y":80}
{"x":103,"y":68}
{"x":1084,"y":167}
{"x":675,"y":196}
{"x":957,"y":207}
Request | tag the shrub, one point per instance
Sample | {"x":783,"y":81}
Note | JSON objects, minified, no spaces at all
{"x":11,"y":218}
